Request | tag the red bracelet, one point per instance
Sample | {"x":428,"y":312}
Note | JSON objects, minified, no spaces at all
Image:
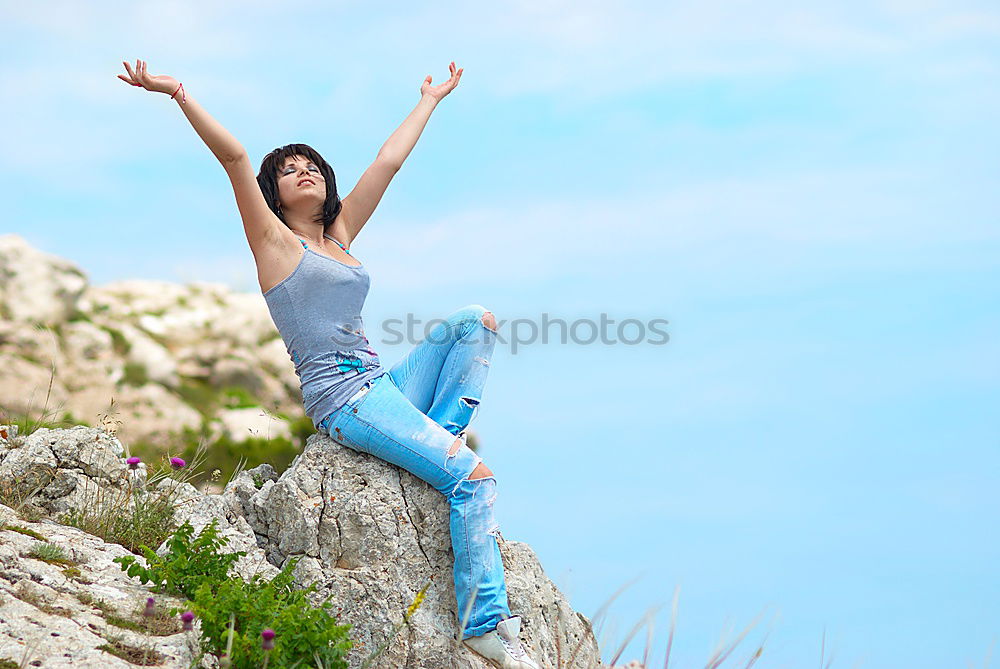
{"x":180,"y":87}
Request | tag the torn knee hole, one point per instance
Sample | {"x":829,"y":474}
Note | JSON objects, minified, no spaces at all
{"x":454,"y":447}
{"x":490,"y":321}
{"x":481,"y":471}
{"x":470,"y":401}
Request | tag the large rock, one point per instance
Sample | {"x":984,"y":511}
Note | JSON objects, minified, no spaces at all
{"x":367,"y":533}
{"x":36,"y":287}
{"x":370,"y":535}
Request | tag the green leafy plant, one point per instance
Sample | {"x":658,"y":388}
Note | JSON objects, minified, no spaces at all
{"x":234,"y":612}
{"x":189,"y":561}
{"x":304,"y":635}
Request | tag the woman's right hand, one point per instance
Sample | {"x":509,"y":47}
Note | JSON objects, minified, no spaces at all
{"x":160,"y":83}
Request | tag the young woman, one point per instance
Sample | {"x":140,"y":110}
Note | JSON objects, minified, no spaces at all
{"x":413,"y":415}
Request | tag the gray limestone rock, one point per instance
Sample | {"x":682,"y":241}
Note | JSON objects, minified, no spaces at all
{"x":368,"y":534}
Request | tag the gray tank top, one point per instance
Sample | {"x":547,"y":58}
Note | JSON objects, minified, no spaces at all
{"x":317,"y":310}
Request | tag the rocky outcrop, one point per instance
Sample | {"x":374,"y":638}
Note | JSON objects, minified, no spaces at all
{"x":138,"y":356}
{"x":367,"y":533}
{"x":57,"y":616}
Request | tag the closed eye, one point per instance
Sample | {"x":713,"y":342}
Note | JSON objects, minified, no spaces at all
{"x":290,"y":169}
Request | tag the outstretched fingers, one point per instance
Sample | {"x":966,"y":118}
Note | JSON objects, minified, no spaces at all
{"x":134,"y":76}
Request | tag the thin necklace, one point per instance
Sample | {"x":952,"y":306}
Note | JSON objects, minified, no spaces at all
{"x":342,"y":247}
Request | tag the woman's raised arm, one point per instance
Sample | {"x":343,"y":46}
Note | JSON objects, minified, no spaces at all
{"x":360,"y":203}
{"x":219,"y":141}
{"x":262,"y":227}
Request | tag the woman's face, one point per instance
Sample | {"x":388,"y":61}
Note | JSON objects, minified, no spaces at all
{"x":300,"y":182}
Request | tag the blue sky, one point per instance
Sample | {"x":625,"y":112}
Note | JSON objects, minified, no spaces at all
{"x":806,"y":192}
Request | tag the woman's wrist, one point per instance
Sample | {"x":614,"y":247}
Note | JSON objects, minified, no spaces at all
{"x":182,"y":98}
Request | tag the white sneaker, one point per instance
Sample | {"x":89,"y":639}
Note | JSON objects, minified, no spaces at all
{"x":502,"y":647}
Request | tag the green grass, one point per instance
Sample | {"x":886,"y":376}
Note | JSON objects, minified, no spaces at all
{"x":227,"y":455}
{"x":126,"y":516}
{"x":136,"y":374}
{"x":117,"y":646}
{"x":199,"y":394}
{"x":236,"y":397}
{"x":24,"y":530}
{"x":51,"y":553}
{"x":78,"y":316}
{"x":119,"y":344}
{"x":42,"y":605}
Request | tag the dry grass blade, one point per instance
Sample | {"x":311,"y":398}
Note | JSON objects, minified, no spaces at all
{"x":648,"y":616}
{"x":468,"y":611}
{"x":26,"y":424}
{"x":673,"y":625}
{"x":240,"y":466}
{"x":760,"y":648}
{"x":715,"y":661}
{"x":18,"y":494}
{"x":598,"y":618}
{"x":649,"y":641}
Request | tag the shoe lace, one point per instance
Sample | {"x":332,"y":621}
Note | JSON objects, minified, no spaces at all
{"x":514,"y":648}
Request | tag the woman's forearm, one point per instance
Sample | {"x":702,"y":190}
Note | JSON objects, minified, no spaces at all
{"x":220,"y":142}
{"x":401,"y":142}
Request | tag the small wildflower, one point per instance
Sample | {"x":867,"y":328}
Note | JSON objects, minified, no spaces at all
{"x":133,"y":462}
{"x":150,"y":607}
{"x":177,"y":463}
{"x":417,"y":601}
{"x":188,"y":619}
{"x":268,"y":637}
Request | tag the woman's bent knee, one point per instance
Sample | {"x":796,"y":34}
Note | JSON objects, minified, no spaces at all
{"x":480,"y":471}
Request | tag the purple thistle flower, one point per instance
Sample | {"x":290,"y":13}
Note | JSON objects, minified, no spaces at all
{"x":133,"y":462}
{"x":188,"y":619}
{"x":150,"y":607}
{"x":177,"y":463}
{"x":268,"y":636}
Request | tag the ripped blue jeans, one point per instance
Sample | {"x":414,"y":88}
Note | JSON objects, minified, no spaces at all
{"x":412,"y":416}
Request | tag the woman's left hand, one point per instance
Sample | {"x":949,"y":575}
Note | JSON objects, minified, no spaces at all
{"x":441,"y":90}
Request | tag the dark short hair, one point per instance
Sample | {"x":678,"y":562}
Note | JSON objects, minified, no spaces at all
{"x":267,"y":179}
